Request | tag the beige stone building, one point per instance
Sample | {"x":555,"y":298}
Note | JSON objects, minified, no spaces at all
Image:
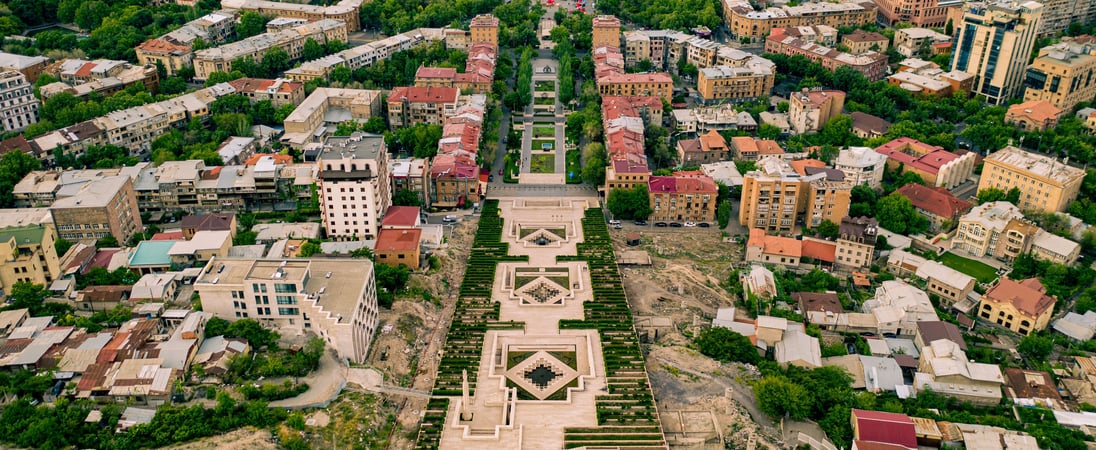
{"x":990,"y":226}
{"x":683,"y":197}
{"x":484,"y":29}
{"x":353,"y":185}
{"x":408,"y":106}
{"x":1033,"y":115}
{"x":606,"y":32}
{"x":998,"y":64}
{"x":279,"y":91}
{"x":787,"y":41}
{"x":921,"y":13}
{"x":721,"y":83}
{"x":856,"y":242}
{"x":27,"y":253}
{"x":861,"y":41}
{"x":745,"y":22}
{"x":98,"y":208}
{"x":709,"y":147}
{"x":219,"y":59}
{"x":1021,"y":306}
{"x":311,"y":114}
{"x":1059,"y":14}
{"x":173,"y":49}
{"x":1045,"y":184}
{"x":329,"y":298}
{"x":949,"y":284}
{"x":344,"y":10}
{"x":810,"y":110}
{"x":1062,"y":74}
{"x":657,"y":84}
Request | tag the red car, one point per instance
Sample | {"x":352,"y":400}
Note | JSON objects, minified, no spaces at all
{"x":500,"y":171}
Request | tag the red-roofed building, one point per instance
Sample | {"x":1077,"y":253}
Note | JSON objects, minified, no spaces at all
{"x":455,"y":180}
{"x":767,"y":249}
{"x":413,"y":105}
{"x":398,"y":247}
{"x":278,"y":158}
{"x":1035,"y":115}
{"x":938,"y":167}
{"x":819,"y":250}
{"x":435,"y":76}
{"x":1022,"y":306}
{"x":402,"y":217}
{"x":168,"y":236}
{"x":800,"y":165}
{"x":935,"y":203}
{"x":280,"y":92}
{"x":709,"y":147}
{"x":883,"y":428}
{"x":173,"y":56}
{"x":683,"y":197}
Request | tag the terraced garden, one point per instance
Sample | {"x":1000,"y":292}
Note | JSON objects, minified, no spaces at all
{"x":627,"y":415}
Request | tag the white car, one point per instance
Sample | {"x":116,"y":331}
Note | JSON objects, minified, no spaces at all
{"x":614,"y":222}
{"x":690,"y":224}
{"x":449,"y":219}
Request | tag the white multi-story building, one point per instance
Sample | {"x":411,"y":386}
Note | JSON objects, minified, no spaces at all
{"x":993,"y":42}
{"x":336,"y":299}
{"x":353,"y":185}
{"x":20,"y":107}
{"x":862,"y":165}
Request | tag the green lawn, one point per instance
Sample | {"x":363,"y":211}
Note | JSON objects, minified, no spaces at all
{"x":543,"y":163}
{"x":511,"y":169}
{"x":977,"y":269}
{"x":539,"y":144}
{"x":544,"y":86}
{"x":574,"y":171}
{"x":544,"y":101}
{"x":544,"y":132}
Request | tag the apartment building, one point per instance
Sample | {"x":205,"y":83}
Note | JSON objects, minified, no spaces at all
{"x":353,"y":185}
{"x":624,"y":145}
{"x":29,"y":66}
{"x":856,"y":242}
{"x":279,"y":92}
{"x":344,"y":10}
{"x":327,"y":107}
{"x":636,"y":85}
{"x":26,"y":249}
{"x":861,"y":165}
{"x":808,"y":110}
{"x":1062,"y":73}
{"x":910,"y":41}
{"x":936,"y":166}
{"x":1059,"y":14}
{"x":476,"y":79}
{"x":785,"y":41}
{"x":707,"y":118}
{"x":366,"y":54}
{"x":398,"y":247}
{"x":219,"y":59}
{"x":998,"y":64}
{"x":606,"y":32}
{"x":775,"y":197}
{"x":743,"y":21}
{"x":412,"y":174}
{"x":409,"y":106}
{"x":1021,"y":306}
{"x":752,"y":149}
{"x":925,"y":78}
{"x":484,"y":29}
{"x":173,"y":49}
{"x":334,"y":300}
{"x":103,"y":76}
{"x":97,"y":208}
{"x":20,"y":108}
{"x":722,"y":83}
{"x":683,"y":197}
{"x":860,"y":42}
{"x":1045,"y":184}
{"x":709,"y":147}
{"x":454,"y":173}
{"x":664,"y":48}
{"x":994,"y":229}
{"x":920,"y":13}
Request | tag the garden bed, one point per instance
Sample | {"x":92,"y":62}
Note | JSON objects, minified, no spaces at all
{"x":544,"y":144}
{"x":544,"y":131}
{"x":542,"y":163}
{"x":544,"y":86}
{"x":574,"y":168}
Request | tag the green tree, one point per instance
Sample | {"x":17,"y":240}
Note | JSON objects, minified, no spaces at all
{"x":991,"y":194}
{"x":897,"y":214}
{"x":630,"y":203}
{"x":312,"y":50}
{"x":310,"y":248}
{"x":250,"y":24}
{"x":768,"y":130}
{"x":828,"y":229}
{"x":390,"y":280}
{"x":726,"y":345}
{"x":13,"y":167}
{"x":1035,"y":347}
{"x":406,"y":197}
{"x":778,"y":397}
{"x":274,"y":60}
{"x":723,"y":214}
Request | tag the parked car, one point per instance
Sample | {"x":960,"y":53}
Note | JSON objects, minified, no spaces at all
{"x":690,"y":224}
{"x":660,"y":224}
{"x":641,"y":222}
{"x":448,"y":219}
{"x":618,"y":226}
{"x":614,"y":222}
{"x":703,"y":224}
{"x":490,"y":178}
{"x":675,"y":225}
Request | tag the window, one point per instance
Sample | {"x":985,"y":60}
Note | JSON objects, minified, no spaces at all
{"x":288,"y":311}
{"x":285,"y":287}
{"x":286,"y":300}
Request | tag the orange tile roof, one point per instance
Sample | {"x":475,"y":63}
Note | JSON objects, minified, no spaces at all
{"x":822,"y":251}
{"x":398,"y":240}
{"x":436,"y":72}
{"x":1037,"y":110}
{"x":1027,"y":296}
{"x":776,"y":245}
{"x":713,"y":141}
{"x":400,"y":216}
{"x":800,"y":165}
{"x":278,"y":158}
{"x":162,"y":46}
{"x":416,"y":94}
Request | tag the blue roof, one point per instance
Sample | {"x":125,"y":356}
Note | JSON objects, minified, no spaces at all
{"x":151,"y":253}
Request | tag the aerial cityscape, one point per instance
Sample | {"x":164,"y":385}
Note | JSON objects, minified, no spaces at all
{"x":548,"y":224}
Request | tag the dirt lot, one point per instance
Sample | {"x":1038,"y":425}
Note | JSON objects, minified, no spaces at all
{"x":241,"y":439}
{"x":685,"y":284}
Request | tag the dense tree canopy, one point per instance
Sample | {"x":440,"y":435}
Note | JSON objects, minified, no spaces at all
{"x":631,"y":203}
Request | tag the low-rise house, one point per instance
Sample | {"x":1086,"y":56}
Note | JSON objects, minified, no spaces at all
{"x":936,"y":166}
{"x":881,"y":374}
{"x":398,"y":247}
{"x":102,"y":298}
{"x":204,"y":246}
{"x":763,"y":248}
{"x":856,"y":242}
{"x":759,"y":281}
{"x":1035,"y":115}
{"x":945,"y":369}
{"x":151,"y":257}
{"x":1056,"y":249}
{"x":798,"y":349}
{"x":949,"y":284}
{"x":402,"y":217}
{"x":898,"y":307}
{"x":812,"y":302}
{"x":1032,"y":388}
{"x":1022,"y":306}
{"x":937,"y":204}
{"x":12,"y":319}
{"x":868,"y":126}
{"x":208,"y":222}
{"x":883,"y":428}
{"x":159,"y":287}
{"x":933,"y":330}
{"x":709,"y":147}
{"x":684,"y":196}
{"x":1077,"y":326}
{"x":215,"y":352}
{"x":902,"y":263}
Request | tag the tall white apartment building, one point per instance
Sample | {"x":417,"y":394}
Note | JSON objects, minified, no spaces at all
{"x":353,"y":185}
{"x":993,"y":43}
{"x":18,"y":105}
{"x":336,"y":299}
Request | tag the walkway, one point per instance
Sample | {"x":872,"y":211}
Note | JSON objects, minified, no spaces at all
{"x":324,"y":384}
